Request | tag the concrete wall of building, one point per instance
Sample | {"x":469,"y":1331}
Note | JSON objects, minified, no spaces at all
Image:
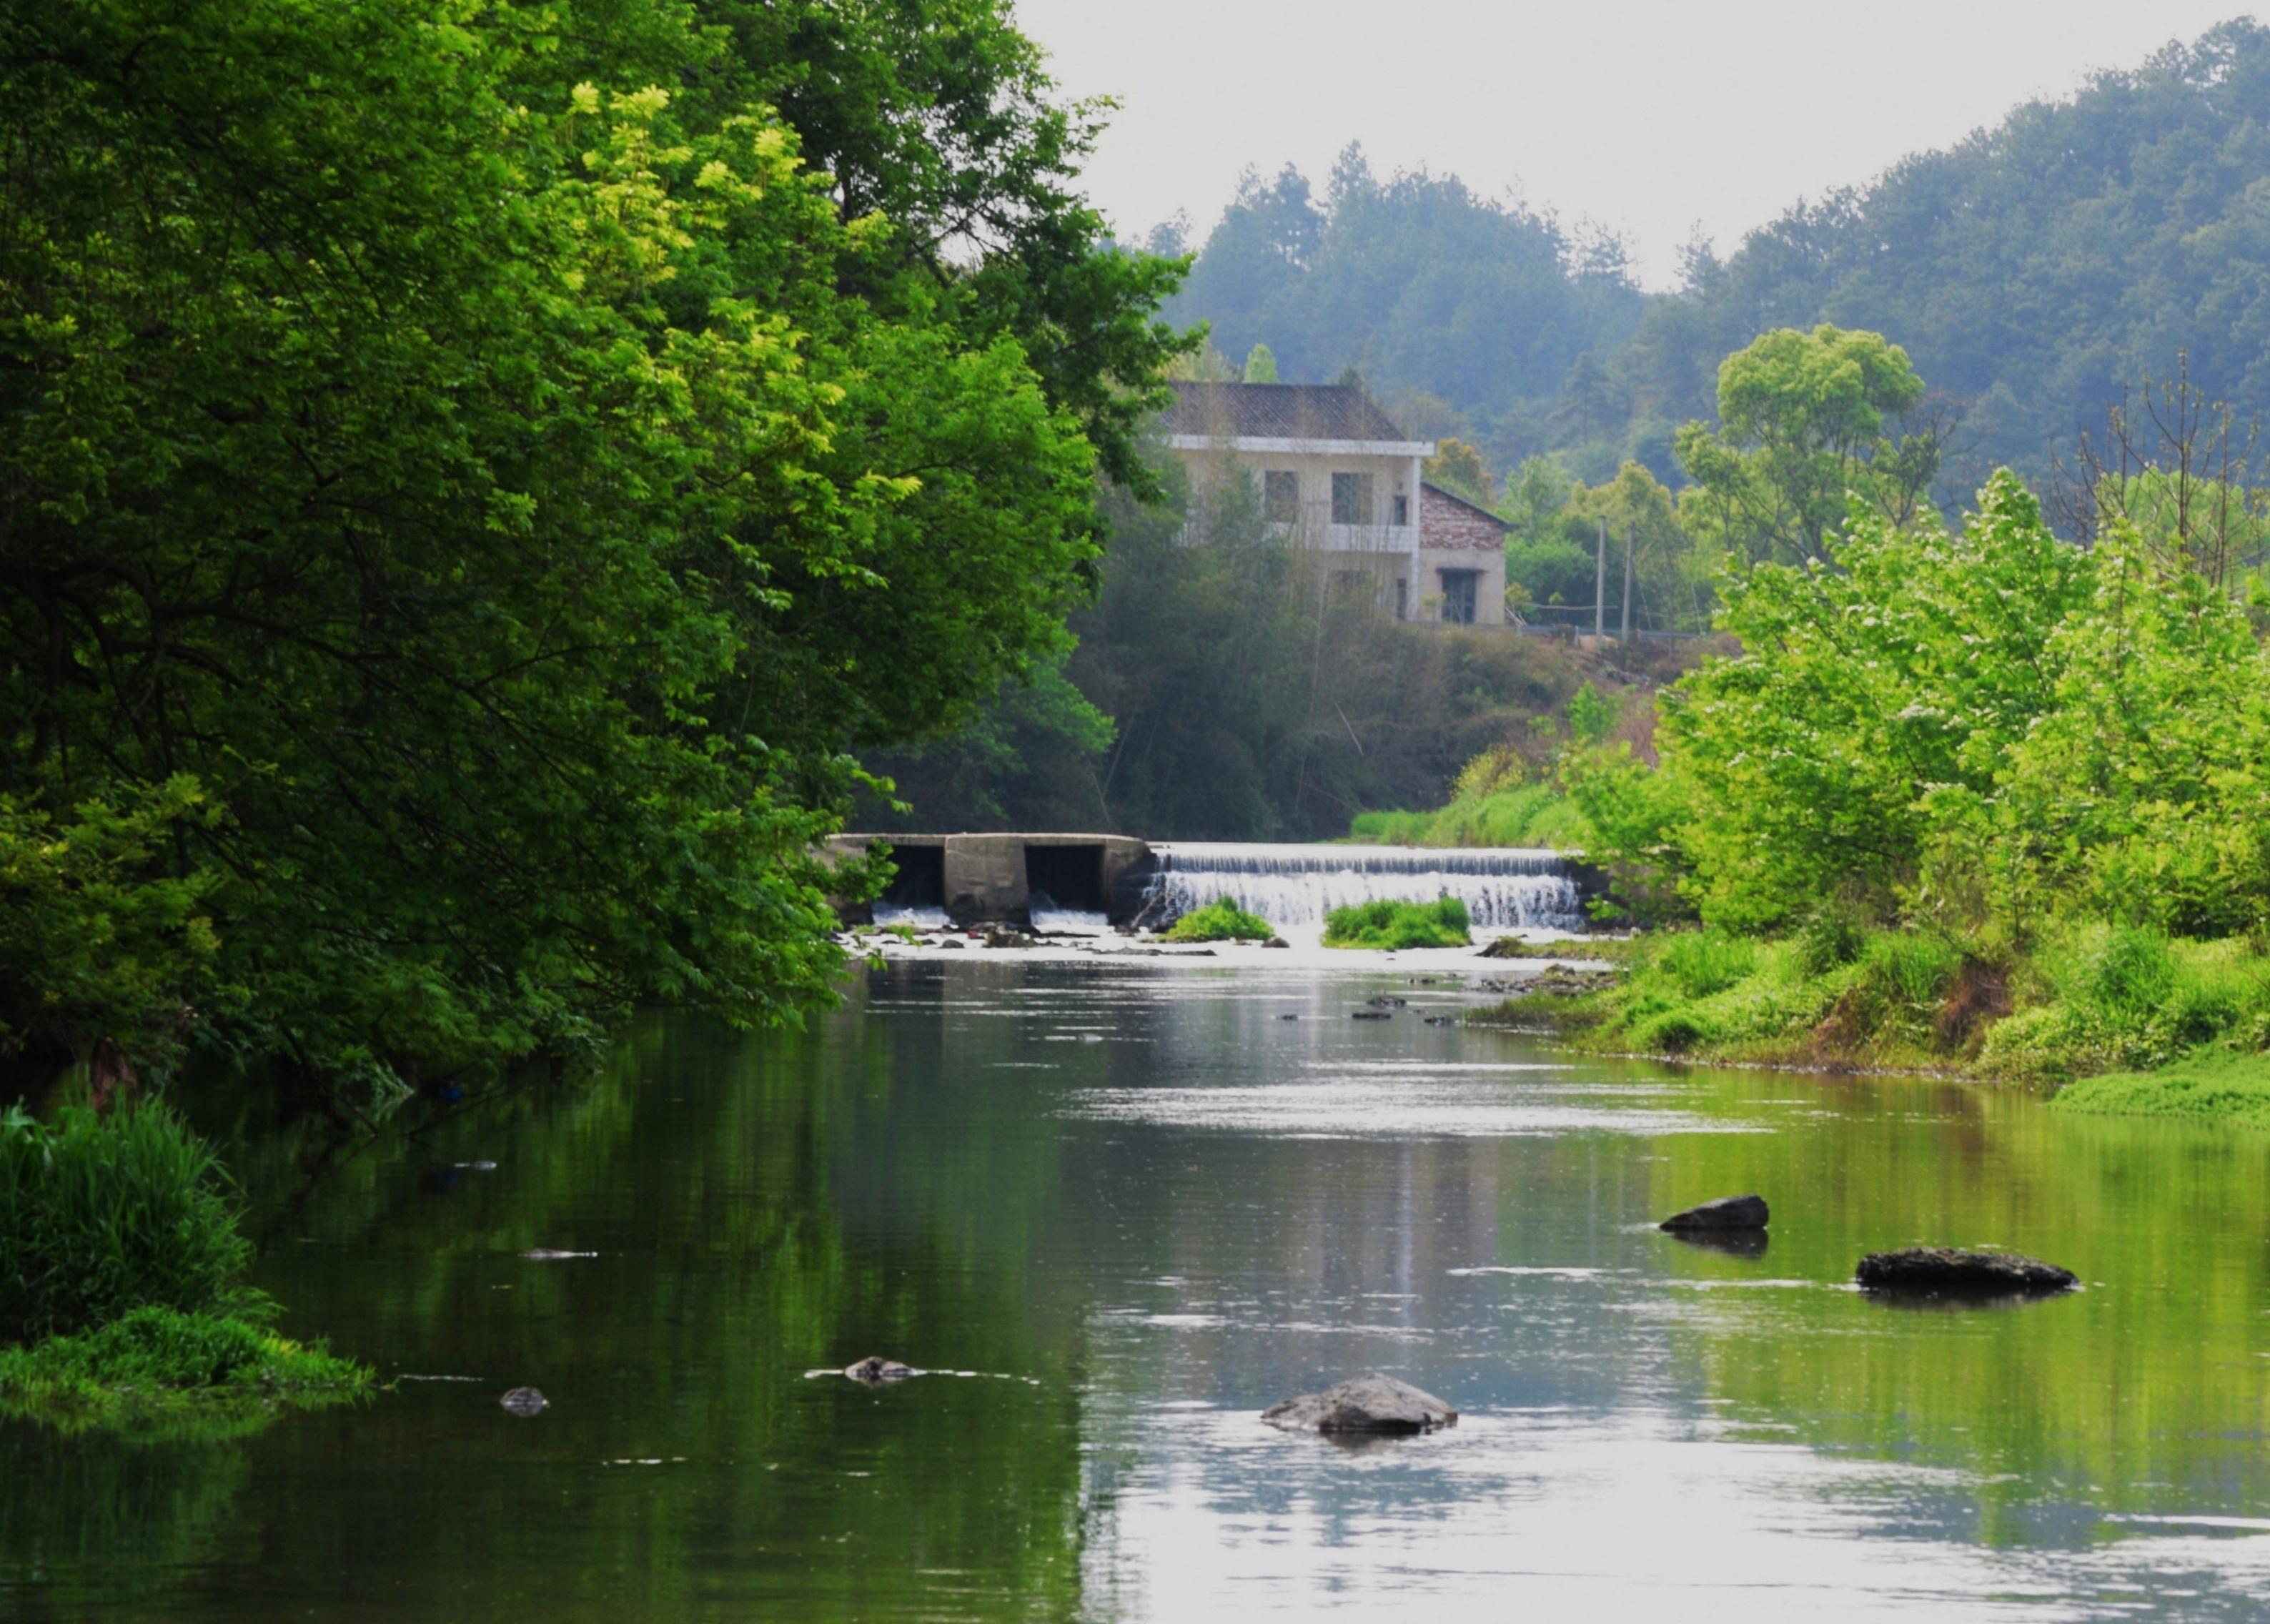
{"x":1455,"y":536}
{"x":1313,"y":524}
{"x":987,"y":877}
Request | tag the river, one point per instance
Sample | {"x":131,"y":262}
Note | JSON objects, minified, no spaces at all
{"x":1116,"y":1206}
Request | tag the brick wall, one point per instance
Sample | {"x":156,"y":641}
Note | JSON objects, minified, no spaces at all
{"x":1448,"y":525}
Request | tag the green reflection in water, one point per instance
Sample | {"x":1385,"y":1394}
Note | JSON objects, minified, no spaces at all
{"x":2147,"y":1392}
{"x":1139,"y":1207}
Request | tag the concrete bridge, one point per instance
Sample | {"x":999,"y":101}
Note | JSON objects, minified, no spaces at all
{"x":977,"y":878}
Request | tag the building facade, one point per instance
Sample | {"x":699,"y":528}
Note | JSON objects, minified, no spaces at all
{"x":1335,"y":475}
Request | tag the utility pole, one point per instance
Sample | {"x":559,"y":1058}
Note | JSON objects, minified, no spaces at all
{"x":1624,"y":636}
{"x":1601,"y":590}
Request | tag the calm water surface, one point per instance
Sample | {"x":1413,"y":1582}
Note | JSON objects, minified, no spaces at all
{"x":1128,"y":1206}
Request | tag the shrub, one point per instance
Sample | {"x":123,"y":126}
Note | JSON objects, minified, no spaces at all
{"x":101,"y":1215}
{"x":1386,"y":924}
{"x":1222,"y":920}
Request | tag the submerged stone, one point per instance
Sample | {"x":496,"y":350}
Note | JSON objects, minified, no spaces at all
{"x":1368,"y":1014}
{"x":1727,"y":1212}
{"x":875,"y":1370}
{"x":1946,"y":1270}
{"x":525,"y":1401}
{"x":1372,"y":1403}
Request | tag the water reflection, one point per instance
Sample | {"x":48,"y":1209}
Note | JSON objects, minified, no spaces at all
{"x":1139,"y":1207}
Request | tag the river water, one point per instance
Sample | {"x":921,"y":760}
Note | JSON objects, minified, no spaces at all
{"x":1116,"y":1207}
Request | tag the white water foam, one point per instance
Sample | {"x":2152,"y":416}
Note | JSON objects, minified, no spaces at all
{"x":1294,"y":887}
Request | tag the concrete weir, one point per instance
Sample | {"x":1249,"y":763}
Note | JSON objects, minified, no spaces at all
{"x":973,"y":878}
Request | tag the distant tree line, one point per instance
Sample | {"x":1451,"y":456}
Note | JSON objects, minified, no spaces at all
{"x":2035,"y":273}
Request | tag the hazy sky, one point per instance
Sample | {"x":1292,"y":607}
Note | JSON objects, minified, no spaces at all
{"x":1650,"y":117}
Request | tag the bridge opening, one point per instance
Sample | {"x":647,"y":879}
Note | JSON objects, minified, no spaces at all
{"x":1072,"y":876}
{"x":920,"y":881}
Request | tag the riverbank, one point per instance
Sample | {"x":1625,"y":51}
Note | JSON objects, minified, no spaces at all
{"x":2113,"y":1022}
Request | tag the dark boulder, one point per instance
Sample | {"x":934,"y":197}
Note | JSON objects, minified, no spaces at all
{"x":1727,"y":1212}
{"x":875,"y":1370}
{"x":1276,"y":941}
{"x":1369,"y":1014}
{"x":1372,"y":1403}
{"x":525,"y":1401}
{"x":1943,"y":1271}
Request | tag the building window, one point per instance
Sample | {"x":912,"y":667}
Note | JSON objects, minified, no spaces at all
{"x":1352,"y":499}
{"x":1280,"y":498}
{"x":1458,"y":595}
{"x":1402,"y":599}
{"x":1398,"y":509}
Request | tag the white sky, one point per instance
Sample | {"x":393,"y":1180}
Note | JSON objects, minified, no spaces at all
{"x":1648,"y":117}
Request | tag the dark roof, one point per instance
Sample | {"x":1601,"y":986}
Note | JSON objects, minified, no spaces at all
{"x":1504,"y":526}
{"x":1279,"y":412}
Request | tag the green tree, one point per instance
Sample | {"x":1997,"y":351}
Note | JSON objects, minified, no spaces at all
{"x":506,"y":492}
{"x":1260,"y":365}
{"x":1803,"y":427}
{"x":1873,"y":710}
{"x":1457,"y":466}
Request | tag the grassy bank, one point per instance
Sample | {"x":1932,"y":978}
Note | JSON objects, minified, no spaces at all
{"x":157,"y":1367}
{"x":2155,"y":1025}
{"x":2212,"y":1085}
{"x":1529,"y":814}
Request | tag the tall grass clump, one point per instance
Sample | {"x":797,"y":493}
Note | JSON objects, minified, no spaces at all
{"x":102,"y":1215}
{"x":1385,"y":924}
{"x":1222,"y":920}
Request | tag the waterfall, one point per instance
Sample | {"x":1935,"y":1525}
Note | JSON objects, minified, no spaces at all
{"x":1294,"y":887}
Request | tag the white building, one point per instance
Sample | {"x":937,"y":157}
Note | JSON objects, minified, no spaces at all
{"x":1341,"y":478}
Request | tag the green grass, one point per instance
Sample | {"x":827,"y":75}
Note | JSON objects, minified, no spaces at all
{"x":1530,"y":814}
{"x":99,"y":1215}
{"x":157,"y":1364}
{"x":2217,"y":1085}
{"x":1398,"y":924}
{"x":1221,"y":920}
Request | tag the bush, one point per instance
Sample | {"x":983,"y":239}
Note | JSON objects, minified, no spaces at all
{"x":1442,"y":923}
{"x":1221,"y":920}
{"x":102,"y":1215}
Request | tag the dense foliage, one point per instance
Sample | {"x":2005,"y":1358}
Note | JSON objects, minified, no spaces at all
{"x":100,"y":1215}
{"x":1423,"y":287}
{"x":472,"y":475}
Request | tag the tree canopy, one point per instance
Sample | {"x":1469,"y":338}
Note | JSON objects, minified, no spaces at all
{"x":471,"y":478}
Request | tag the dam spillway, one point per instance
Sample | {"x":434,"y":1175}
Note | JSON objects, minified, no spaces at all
{"x":1060,"y":882}
{"x":1294,"y":886}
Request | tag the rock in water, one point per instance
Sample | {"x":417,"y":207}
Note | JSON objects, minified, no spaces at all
{"x":1727,"y":1212}
{"x":875,"y":1368}
{"x":1369,"y":1014}
{"x":1276,"y":941}
{"x":1372,"y":1403}
{"x":525,"y":1401}
{"x":1941,"y":1269}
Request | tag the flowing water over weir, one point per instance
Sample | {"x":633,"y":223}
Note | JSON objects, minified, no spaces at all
{"x":1294,"y":886}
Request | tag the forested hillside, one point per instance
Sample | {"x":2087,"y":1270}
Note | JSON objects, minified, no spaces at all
{"x":2032,"y":274}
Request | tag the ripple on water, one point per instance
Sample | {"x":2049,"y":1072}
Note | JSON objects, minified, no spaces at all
{"x":1353,"y":1109}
